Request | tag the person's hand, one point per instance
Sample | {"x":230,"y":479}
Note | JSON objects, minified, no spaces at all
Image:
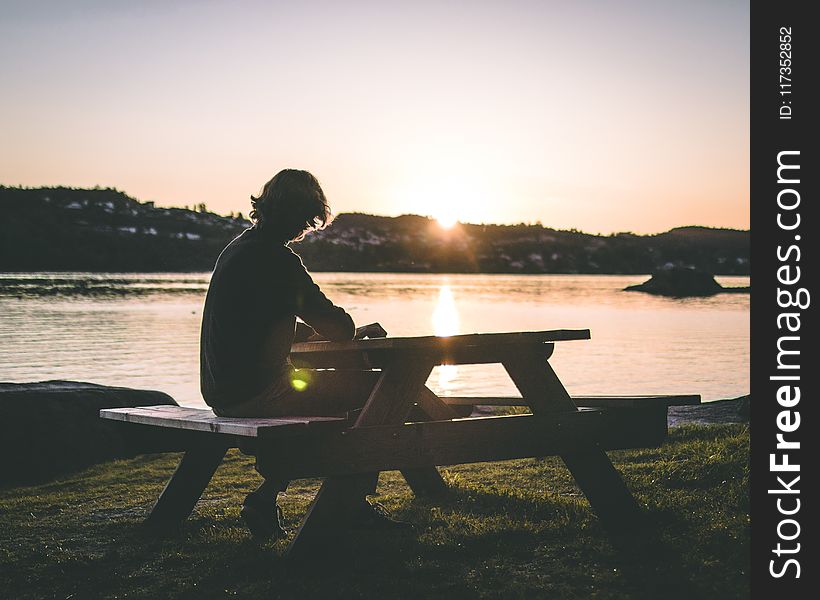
{"x":373,"y":330}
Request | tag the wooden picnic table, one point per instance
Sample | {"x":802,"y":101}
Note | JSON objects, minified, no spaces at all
{"x":404,"y":426}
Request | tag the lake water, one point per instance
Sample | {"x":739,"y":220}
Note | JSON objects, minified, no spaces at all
{"x":142,"y":330}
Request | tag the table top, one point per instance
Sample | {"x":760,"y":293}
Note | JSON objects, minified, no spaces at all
{"x":438,"y":343}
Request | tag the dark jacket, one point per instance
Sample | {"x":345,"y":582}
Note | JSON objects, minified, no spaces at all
{"x":258,"y":288}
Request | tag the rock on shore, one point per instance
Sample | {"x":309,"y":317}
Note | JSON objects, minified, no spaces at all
{"x":51,"y":427}
{"x":735,"y":410}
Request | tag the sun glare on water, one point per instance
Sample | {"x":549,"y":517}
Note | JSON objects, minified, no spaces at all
{"x":446,"y":323}
{"x":445,"y":315}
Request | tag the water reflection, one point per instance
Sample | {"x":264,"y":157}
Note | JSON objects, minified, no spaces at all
{"x":149,"y":336}
{"x":446,"y":323}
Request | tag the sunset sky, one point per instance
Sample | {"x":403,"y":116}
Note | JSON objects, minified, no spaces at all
{"x":603,"y":116}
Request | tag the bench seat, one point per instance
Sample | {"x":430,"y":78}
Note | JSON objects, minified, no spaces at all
{"x":327,"y":446}
{"x":203,"y":419}
{"x":633,"y":421}
{"x":629,"y":402}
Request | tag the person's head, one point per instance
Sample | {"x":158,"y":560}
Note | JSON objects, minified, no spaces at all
{"x":290,"y":205}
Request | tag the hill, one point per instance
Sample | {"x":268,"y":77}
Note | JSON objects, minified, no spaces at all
{"x":65,"y":229}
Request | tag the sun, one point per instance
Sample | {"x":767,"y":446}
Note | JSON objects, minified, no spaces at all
{"x":446,"y":220}
{"x":446,"y":206}
{"x":448,"y":198}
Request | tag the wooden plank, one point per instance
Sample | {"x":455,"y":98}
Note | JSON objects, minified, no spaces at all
{"x":434,"y":407}
{"x":632,"y":421}
{"x":437,"y":443}
{"x":436,"y":354}
{"x":395,"y":393}
{"x":186,"y":485}
{"x":639,"y":402}
{"x":199,"y":419}
{"x":592,"y":401}
{"x":538,"y":383}
{"x":454,"y":341}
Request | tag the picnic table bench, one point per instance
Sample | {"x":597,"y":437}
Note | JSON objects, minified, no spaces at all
{"x":404,"y":426}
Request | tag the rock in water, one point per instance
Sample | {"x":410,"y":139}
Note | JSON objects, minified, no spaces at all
{"x":52,"y":427}
{"x":680,"y":282}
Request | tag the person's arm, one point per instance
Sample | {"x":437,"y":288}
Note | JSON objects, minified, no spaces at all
{"x":306,"y":333}
{"x":314,"y":308}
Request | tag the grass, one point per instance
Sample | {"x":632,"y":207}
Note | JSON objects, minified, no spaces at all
{"x":515,"y":529}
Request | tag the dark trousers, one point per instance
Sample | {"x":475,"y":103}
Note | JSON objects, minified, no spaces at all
{"x":312,"y":393}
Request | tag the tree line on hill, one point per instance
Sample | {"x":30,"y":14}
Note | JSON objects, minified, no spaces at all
{"x":103,"y":229}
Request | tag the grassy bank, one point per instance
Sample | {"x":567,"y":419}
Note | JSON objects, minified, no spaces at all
{"x":517,"y":529}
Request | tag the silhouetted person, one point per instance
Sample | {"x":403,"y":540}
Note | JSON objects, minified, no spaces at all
{"x":258,"y":289}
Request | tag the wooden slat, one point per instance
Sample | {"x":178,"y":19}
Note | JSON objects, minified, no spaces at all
{"x":593,"y":401}
{"x":428,"y":444}
{"x":432,"y":341}
{"x":437,"y":354}
{"x":637,"y":401}
{"x":434,"y":407}
{"x":538,"y":383}
{"x":199,"y":419}
{"x":394,"y":394}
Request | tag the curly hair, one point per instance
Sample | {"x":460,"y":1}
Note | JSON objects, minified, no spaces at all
{"x":290,"y":205}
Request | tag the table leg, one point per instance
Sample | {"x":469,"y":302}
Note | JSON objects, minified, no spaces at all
{"x":187,"y":483}
{"x":329,"y":512}
{"x":593,"y":471}
{"x":389,"y":403}
{"x":604,"y":488}
{"x":427,"y":481}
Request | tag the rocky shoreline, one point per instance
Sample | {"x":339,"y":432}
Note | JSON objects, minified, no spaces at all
{"x":53,"y":427}
{"x":734,"y":410}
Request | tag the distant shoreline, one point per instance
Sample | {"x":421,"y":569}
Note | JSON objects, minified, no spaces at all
{"x":107,"y":231}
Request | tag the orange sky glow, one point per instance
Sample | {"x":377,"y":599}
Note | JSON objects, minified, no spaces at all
{"x":602,"y":116}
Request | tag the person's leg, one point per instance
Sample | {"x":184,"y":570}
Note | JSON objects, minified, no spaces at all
{"x":324,"y":393}
{"x":260,"y":509}
{"x":262,"y":513}
{"x":266,"y":494}
{"x":311,"y":393}
{"x":330,"y":393}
